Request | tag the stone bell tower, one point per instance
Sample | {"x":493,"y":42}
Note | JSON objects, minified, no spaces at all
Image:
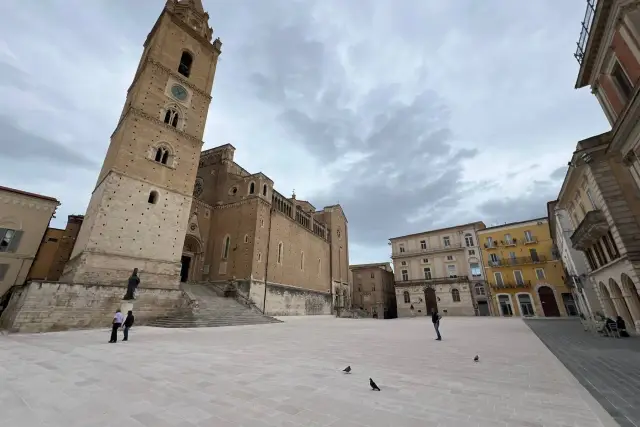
{"x":139,"y":209}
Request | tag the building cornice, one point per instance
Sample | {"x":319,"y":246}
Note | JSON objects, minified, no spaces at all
{"x":31,"y":203}
{"x":478,"y":225}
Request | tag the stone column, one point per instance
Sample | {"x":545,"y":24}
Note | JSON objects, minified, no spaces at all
{"x":621,"y":307}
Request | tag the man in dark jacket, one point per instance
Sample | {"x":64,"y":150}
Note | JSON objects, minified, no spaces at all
{"x":128,"y":323}
{"x":435,"y":318}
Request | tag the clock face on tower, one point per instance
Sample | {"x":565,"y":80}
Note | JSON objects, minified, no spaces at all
{"x":179,"y":92}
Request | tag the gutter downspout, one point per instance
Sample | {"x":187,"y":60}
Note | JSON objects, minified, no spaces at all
{"x":266,"y":263}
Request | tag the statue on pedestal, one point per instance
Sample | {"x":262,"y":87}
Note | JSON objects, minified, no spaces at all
{"x":132,"y":285}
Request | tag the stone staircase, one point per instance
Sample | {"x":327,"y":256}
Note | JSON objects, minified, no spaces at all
{"x":212,"y":310}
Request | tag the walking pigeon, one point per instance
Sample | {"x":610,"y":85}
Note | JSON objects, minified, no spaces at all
{"x":476,"y":359}
{"x":347,"y":370}
{"x":373,"y":385}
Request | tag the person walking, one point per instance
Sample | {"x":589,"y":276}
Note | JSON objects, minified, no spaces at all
{"x":413,"y":313}
{"x":115,"y":325}
{"x":435,"y":318}
{"x":128,"y":323}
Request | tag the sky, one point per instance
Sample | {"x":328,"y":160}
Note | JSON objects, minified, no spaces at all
{"x":411,"y":114}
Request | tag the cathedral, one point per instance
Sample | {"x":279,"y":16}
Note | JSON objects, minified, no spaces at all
{"x":180,"y":214}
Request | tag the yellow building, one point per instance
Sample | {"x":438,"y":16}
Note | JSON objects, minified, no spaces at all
{"x":523,"y":270}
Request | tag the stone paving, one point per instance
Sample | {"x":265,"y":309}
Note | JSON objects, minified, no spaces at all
{"x":289,"y":375}
{"x":608,"y":368}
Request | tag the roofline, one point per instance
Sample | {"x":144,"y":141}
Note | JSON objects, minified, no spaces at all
{"x":509,"y":224}
{"x":438,"y":229}
{"x":377,"y":264}
{"x":28,"y":194}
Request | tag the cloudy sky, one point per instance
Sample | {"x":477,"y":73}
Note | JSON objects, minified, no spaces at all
{"x":411,"y":114}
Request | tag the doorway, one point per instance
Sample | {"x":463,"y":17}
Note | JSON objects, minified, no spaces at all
{"x":526,"y":307}
{"x":570,"y":304}
{"x":184,"y":270}
{"x":483,"y":308}
{"x":505,"y":306}
{"x":430,"y":299}
{"x":548,"y":301}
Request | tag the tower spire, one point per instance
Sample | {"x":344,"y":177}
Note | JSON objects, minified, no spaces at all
{"x":194,"y":4}
{"x":192,"y":13}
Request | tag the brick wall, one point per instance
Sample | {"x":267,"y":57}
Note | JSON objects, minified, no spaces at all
{"x":46,"y":306}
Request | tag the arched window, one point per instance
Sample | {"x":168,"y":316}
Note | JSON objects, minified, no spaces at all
{"x":264,"y":190}
{"x":301,"y":260}
{"x":280,"y":251}
{"x":162,"y":155}
{"x":455,"y":294}
{"x":319,"y":266}
{"x":252,"y":188}
{"x":171,"y":117}
{"x":153,"y":197}
{"x":225,"y":247}
{"x":479,"y":289}
{"x":407,"y":298}
{"x":185,"y":64}
{"x":246,"y":238}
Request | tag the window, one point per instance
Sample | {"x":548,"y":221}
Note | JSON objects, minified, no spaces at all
{"x":590,"y":197}
{"x":261,"y":222}
{"x":171,"y":117}
{"x":528,"y":237}
{"x":403,"y":262}
{"x":153,"y":197}
{"x":264,"y":190}
{"x":246,"y":238}
{"x":405,"y":275}
{"x":508,"y":240}
{"x":162,"y":155}
{"x":498,"y":277}
{"x":449,"y":257}
{"x":591,"y":259}
{"x":225,"y":247}
{"x":468,"y":239}
{"x":540,"y":273}
{"x":534,"y":255}
{"x":185,"y":64}
{"x":602,"y":260}
{"x":259,"y":256}
{"x":493,"y":259}
{"x":319,"y":266}
{"x":489,"y":242}
{"x":451,"y":269}
{"x":252,"y":188}
{"x":447,"y":241}
{"x":423,"y":244}
{"x":475,"y":269}
{"x":455,"y":295}
{"x":526,"y":308}
{"x":425,"y":260}
{"x":301,"y":260}
{"x":621,"y":81}
{"x":479,"y":289}
{"x":233,"y":191}
{"x":280,"y":252}
{"x":9,"y":239}
{"x":401,"y":248}
{"x":407,"y":298}
{"x":512,"y":258}
{"x":472,"y":252}
{"x":613,"y":244}
{"x":427,"y":273}
{"x":517,"y":274}
{"x":373,"y":275}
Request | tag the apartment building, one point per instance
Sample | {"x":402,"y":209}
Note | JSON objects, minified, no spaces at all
{"x":601,"y":191}
{"x":573,"y":261}
{"x":373,"y":290}
{"x":524,"y":271}
{"x":440,"y":269}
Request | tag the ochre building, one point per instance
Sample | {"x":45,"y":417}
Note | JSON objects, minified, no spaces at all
{"x":372,"y":289}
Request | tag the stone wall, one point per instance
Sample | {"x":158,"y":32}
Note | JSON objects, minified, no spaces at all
{"x":53,"y":306}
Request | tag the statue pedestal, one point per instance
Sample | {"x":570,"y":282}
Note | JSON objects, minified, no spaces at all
{"x":125,"y":306}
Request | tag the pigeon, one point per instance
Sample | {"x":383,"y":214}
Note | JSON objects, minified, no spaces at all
{"x":476,"y":359}
{"x":373,"y":385}
{"x":347,"y":370}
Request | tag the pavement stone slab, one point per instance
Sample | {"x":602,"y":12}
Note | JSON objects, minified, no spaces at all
{"x":290,"y":374}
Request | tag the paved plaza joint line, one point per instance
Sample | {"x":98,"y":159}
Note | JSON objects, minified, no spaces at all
{"x":290,"y":374}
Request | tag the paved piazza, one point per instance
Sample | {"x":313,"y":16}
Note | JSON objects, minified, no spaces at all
{"x":290,"y":375}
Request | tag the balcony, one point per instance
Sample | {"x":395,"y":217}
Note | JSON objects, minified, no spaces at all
{"x":491,"y":245}
{"x":432,"y":281}
{"x":429,"y":250}
{"x":524,"y":284}
{"x":509,"y":262}
{"x":590,"y":230}
{"x":530,"y":240}
{"x":585,"y":29}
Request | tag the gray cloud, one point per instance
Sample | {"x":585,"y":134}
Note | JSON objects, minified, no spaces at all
{"x":559,"y":173}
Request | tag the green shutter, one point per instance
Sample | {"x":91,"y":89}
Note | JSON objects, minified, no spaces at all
{"x":15,"y":241}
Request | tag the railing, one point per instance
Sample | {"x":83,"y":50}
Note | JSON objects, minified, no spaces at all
{"x":282,"y":204}
{"x":303,"y":218}
{"x":432,"y":280}
{"x":319,"y":229}
{"x":428,"y":250}
{"x":585,"y":29}
{"x":491,"y":245}
{"x":518,"y":261}
{"x":512,"y":285}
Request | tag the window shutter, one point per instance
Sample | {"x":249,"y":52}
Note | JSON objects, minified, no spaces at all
{"x":15,"y":241}
{"x":3,"y":270}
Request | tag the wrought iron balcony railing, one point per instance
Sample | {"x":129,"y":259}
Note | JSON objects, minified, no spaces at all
{"x":512,"y":285}
{"x":428,"y":250}
{"x":507,"y":262}
{"x":432,"y":281}
{"x":585,"y":30}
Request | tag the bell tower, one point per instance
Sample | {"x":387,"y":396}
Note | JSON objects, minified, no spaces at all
{"x":139,"y":209}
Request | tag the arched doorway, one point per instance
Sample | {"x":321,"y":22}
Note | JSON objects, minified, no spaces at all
{"x":619,"y":302}
{"x":190,"y":260}
{"x":548,"y":302}
{"x":430,"y":299}
{"x":607,"y":303}
{"x":630,"y":293}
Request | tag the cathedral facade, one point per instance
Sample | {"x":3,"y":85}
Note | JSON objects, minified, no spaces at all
{"x":180,"y":214}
